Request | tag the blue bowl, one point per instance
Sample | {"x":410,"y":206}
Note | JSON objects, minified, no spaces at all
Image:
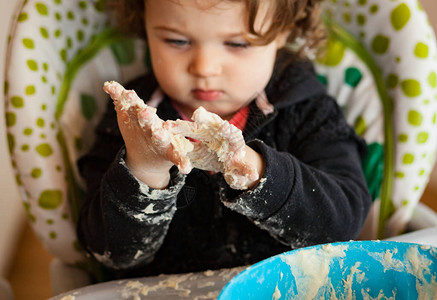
{"x":347,"y":270}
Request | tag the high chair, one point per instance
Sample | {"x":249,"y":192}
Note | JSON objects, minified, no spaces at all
{"x":380,"y":63}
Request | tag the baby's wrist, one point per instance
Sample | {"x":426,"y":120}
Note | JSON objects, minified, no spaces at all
{"x":156,"y":179}
{"x":255,"y":160}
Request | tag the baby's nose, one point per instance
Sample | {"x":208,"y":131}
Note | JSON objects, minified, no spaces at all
{"x":205,"y":63}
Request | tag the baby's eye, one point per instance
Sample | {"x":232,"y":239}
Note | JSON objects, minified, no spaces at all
{"x":238,"y":45}
{"x":177,"y":42}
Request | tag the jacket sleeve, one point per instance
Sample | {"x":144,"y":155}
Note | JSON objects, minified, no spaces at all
{"x":313,"y":191}
{"x":122,"y":222}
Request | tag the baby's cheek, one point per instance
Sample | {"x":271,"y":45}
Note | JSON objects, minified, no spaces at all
{"x":260,"y":72}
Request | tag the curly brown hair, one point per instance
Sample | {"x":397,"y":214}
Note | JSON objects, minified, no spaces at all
{"x":300,"y":17}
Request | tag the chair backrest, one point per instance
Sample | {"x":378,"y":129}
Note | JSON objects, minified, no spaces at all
{"x":61,"y":51}
{"x":386,"y":52}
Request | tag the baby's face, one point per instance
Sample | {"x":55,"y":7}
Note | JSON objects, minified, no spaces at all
{"x":201,"y":57}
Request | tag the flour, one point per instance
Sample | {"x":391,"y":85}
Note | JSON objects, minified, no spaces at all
{"x":208,"y":273}
{"x":135,"y":289}
{"x":415,"y":264}
{"x":69,"y":297}
{"x":210,"y":295}
{"x":138,"y":254}
{"x":276,"y":294}
{"x":418,"y":265}
{"x":310,"y":268}
{"x":381,"y":296}
{"x":156,"y":219}
{"x":104,"y":258}
{"x":150,"y":209}
{"x":241,"y":206}
{"x":156,"y":194}
{"x":205,"y":284}
{"x":387,"y":260}
{"x":359,"y":277}
{"x":132,"y":289}
{"x":107,"y":261}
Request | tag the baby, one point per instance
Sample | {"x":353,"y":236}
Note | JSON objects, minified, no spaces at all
{"x":243,"y":154}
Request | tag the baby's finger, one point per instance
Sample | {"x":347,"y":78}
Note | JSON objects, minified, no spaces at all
{"x":123,"y":118}
{"x":130,"y":98}
{"x":131,"y":112}
{"x":189,"y":129}
{"x":251,"y":173}
{"x":237,"y":170}
{"x":202,"y":116}
{"x":180,"y":160}
{"x":114,"y":89}
{"x":181,"y":127}
{"x":238,"y":181}
{"x":186,"y":128}
{"x":161,"y":139}
{"x":203,"y":158}
{"x":121,"y":96}
{"x":232,"y":135}
{"x":147,"y":117}
{"x":115,"y":95}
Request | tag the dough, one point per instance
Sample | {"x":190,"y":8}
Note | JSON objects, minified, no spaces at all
{"x":215,"y":144}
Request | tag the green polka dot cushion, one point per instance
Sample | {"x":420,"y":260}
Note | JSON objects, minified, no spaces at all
{"x":59,"y":54}
{"x":396,"y":48}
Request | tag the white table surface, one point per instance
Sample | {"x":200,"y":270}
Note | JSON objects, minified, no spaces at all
{"x":201,"y":285}
{"x":426,"y":236}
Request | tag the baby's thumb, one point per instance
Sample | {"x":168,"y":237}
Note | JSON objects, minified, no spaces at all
{"x":114,"y":89}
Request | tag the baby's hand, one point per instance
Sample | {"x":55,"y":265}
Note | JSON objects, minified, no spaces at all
{"x":150,"y":148}
{"x":201,"y":157}
{"x":221,"y":147}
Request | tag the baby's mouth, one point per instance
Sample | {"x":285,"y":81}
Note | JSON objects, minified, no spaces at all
{"x":206,"y":95}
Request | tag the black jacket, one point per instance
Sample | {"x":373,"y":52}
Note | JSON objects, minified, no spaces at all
{"x":313,"y":190}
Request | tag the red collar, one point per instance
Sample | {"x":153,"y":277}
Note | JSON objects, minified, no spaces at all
{"x":239,"y":120}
